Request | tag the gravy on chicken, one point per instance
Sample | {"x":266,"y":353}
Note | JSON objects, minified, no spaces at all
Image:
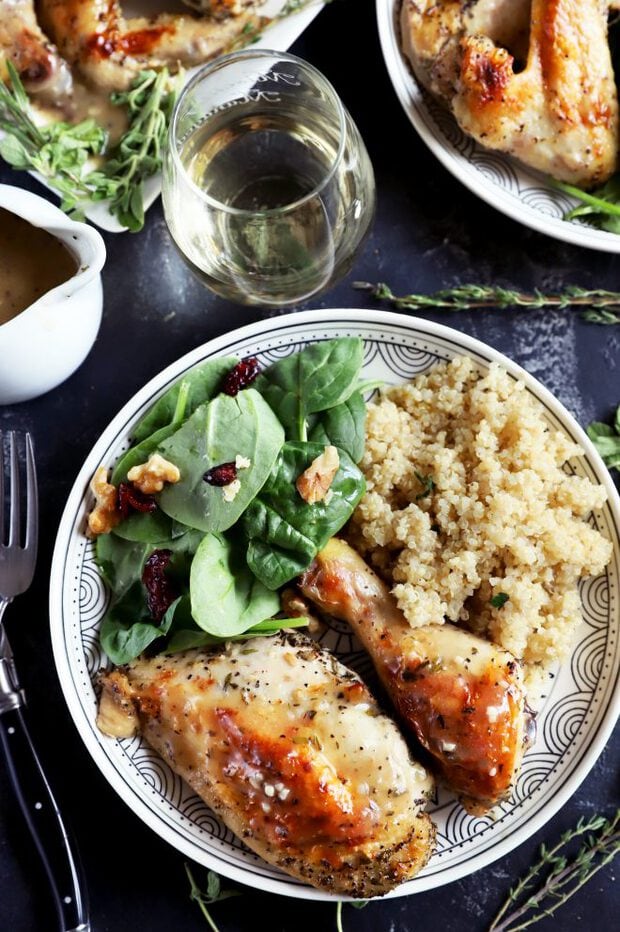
{"x":32,"y":262}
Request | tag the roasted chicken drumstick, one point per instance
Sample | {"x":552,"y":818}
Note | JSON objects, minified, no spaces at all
{"x":291,"y":750}
{"x":461,"y":696}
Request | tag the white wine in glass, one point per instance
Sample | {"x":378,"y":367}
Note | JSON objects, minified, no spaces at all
{"x":268,"y":189}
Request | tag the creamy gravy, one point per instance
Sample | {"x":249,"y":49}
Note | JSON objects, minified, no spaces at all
{"x":87,"y":103}
{"x":32,"y":262}
{"x":84,"y":103}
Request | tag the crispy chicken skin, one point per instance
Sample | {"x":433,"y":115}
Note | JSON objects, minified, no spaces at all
{"x":291,"y":750}
{"x":461,"y":696}
{"x":40,"y":67}
{"x":535,"y":81}
{"x":109,"y":50}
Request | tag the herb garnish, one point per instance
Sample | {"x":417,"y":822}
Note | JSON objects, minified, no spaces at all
{"x":601,"y":207}
{"x":498,"y":600}
{"x":428,"y":484}
{"x":564,"y":878}
{"x":606,"y":440}
{"x":59,"y":152}
{"x":601,"y":307}
{"x":213,"y":893}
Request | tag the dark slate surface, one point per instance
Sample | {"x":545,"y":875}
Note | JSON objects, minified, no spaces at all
{"x":429,"y":232}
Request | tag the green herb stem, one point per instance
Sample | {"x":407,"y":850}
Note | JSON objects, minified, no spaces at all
{"x":600,"y":204}
{"x":60,"y":151}
{"x":603,"y":307}
{"x":197,"y":896}
{"x":213,"y":894}
{"x":564,"y":878}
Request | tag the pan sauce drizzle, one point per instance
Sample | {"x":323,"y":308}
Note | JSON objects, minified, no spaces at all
{"x":32,"y":262}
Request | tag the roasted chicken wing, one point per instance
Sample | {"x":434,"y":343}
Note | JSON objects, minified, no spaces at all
{"x":36,"y":60}
{"x":461,"y":696}
{"x":291,"y":750}
{"x":110,"y":50}
{"x":533,"y":79}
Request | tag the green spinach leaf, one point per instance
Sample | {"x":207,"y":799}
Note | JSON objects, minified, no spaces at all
{"x":321,"y":376}
{"x":150,"y":527}
{"x":128,"y":629}
{"x":284,"y":532}
{"x":226,"y":598}
{"x":141,"y":451}
{"x":216,"y":433}
{"x":121,"y":562}
{"x":196,"y":387}
{"x":344,"y":426}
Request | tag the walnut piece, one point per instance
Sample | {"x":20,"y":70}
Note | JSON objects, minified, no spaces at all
{"x":150,"y":477}
{"x":313,"y":484}
{"x":104,"y":515}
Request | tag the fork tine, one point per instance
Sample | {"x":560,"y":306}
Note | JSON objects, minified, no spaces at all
{"x":32,"y":507}
{"x":14,"y":481}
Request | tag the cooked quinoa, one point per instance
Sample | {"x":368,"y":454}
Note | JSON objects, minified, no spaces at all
{"x":467,"y":500}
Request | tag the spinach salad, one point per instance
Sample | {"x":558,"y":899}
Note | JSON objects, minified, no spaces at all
{"x":202,"y":560}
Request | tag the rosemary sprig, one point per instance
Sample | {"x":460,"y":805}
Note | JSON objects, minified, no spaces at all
{"x":213,"y":894}
{"x":60,"y":151}
{"x":564,"y":878}
{"x":601,"y":307}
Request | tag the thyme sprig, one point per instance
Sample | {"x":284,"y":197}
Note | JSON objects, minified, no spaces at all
{"x":599,"y":306}
{"x":564,"y":877}
{"x":60,"y":152}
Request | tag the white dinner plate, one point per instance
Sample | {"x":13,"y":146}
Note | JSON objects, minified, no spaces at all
{"x":573,"y":726}
{"x":279,"y":37}
{"x":521,"y":193}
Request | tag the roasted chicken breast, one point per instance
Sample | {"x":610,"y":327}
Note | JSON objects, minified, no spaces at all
{"x":291,"y":750}
{"x":461,"y":696}
{"x":534,"y":80}
{"x":110,"y":50}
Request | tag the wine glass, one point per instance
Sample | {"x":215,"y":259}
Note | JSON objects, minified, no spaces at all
{"x":268,"y":189}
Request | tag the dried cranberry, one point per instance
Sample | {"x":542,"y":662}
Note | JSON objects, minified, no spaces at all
{"x":131,"y":499}
{"x":160,"y":590}
{"x":241,"y":376}
{"x":221,"y":475}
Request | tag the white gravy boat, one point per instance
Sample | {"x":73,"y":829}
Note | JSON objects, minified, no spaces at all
{"x":45,"y":343}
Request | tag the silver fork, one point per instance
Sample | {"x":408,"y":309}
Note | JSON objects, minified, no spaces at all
{"x":18,"y":555}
